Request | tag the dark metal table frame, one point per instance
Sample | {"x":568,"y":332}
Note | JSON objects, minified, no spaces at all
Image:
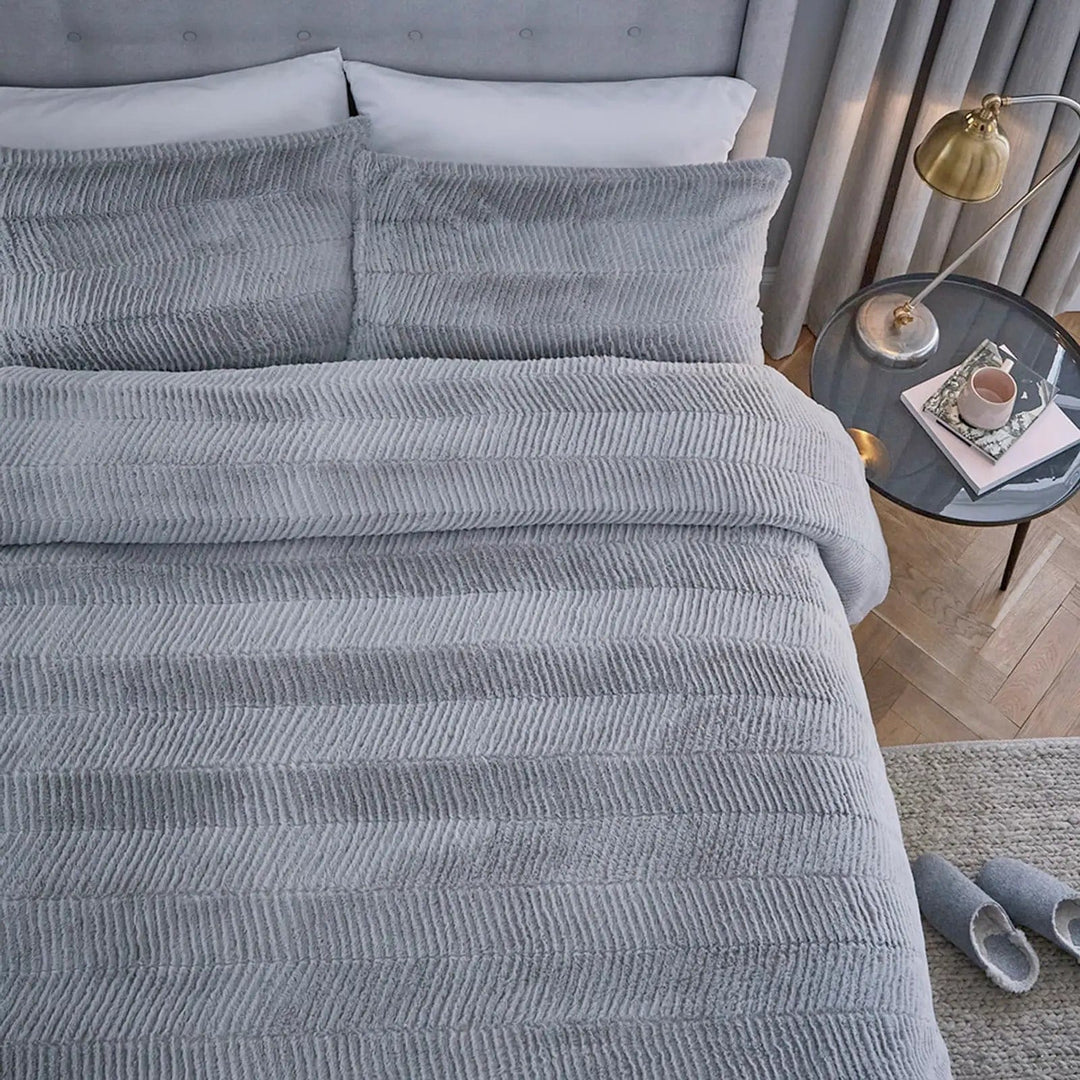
{"x":1019,"y":536}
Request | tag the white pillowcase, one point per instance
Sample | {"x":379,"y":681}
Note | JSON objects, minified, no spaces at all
{"x":274,"y":99}
{"x":677,"y":121}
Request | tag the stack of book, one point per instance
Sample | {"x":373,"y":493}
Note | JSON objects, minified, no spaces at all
{"x":1037,"y":431}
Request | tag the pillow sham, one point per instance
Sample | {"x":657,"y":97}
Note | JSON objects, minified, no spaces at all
{"x":519,"y":262}
{"x":178,"y":256}
{"x":676,"y":121}
{"x":302,"y":94}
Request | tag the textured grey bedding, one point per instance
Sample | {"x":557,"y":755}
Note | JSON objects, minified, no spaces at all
{"x":437,"y":719}
{"x":522,"y":262}
{"x":309,"y":248}
{"x":179,"y":256}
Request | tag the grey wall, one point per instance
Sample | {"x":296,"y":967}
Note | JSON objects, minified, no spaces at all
{"x":814,"y":39}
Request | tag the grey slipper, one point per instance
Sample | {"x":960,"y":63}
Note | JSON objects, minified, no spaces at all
{"x":975,"y":923}
{"x":1035,"y":899}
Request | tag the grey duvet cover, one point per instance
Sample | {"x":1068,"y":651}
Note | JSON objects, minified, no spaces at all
{"x":439,"y":719}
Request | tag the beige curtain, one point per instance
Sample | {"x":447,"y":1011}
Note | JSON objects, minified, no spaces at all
{"x":764,"y":47}
{"x":877,"y":108}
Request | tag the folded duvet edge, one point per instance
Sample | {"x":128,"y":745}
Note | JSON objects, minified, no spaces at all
{"x":169,"y":458}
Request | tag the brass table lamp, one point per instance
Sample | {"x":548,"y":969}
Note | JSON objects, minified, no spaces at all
{"x":963,"y":156}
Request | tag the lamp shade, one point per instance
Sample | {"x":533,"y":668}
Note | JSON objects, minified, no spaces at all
{"x":964,"y":154}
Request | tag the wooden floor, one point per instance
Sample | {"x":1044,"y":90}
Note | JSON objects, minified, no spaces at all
{"x":949,"y":656}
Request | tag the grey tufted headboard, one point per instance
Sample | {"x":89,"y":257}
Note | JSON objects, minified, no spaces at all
{"x":97,"y":42}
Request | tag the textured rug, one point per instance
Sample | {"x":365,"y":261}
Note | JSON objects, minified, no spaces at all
{"x":969,"y":801}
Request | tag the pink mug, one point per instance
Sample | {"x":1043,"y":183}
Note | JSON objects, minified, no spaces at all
{"x":986,"y":400}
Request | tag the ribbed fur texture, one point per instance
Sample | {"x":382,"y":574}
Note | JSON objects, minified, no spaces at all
{"x":353,"y":449}
{"x":593,"y":794}
{"x":178,"y":256}
{"x":522,"y":262}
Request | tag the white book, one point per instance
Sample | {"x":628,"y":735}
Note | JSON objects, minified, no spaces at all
{"x":1051,"y":433}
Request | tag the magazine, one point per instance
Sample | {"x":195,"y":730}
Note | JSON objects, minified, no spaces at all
{"x":1050,"y":435}
{"x":1033,"y":394}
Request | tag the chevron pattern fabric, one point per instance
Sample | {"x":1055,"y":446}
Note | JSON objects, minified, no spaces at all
{"x":439,"y":719}
{"x":521,"y":262}
{"x":178,"y":256}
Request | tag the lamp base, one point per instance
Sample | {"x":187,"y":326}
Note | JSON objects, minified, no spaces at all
{"x":890,"y":344}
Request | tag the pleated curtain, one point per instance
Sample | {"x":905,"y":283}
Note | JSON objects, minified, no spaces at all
{"x":861,"y":212}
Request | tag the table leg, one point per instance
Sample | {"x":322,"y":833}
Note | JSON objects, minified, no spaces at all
{"x":1014,"y":552}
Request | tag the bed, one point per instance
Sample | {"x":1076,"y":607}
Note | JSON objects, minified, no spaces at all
{"x":459,"y":702}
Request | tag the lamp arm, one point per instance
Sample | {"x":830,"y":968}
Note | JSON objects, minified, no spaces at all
{"x":1021,"y":202}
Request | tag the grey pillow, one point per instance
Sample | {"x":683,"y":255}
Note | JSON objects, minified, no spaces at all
{"x":179,"y":256}
{"x":528,"y":261}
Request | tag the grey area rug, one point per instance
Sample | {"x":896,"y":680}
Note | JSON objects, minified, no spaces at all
{"x":969,"y":801}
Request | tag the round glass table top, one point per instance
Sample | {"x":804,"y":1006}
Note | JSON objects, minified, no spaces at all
{"x":903,"y":463}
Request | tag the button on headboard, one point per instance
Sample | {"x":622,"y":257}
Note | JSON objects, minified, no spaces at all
{"x":103,"y":42}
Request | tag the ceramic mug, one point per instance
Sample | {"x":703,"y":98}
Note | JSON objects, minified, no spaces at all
{"x":986,"y":400}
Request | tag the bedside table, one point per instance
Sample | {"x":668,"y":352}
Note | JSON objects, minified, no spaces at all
{"x":913,"y":472}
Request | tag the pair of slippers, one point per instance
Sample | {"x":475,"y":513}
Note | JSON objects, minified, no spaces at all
{"x":980,"y":917}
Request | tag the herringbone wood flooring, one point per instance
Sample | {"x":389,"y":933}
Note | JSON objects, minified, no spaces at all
{"x":948,"y":655}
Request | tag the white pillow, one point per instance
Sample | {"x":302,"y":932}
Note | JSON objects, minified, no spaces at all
{"x":677,"y":121}
{"x":273,"y":99}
